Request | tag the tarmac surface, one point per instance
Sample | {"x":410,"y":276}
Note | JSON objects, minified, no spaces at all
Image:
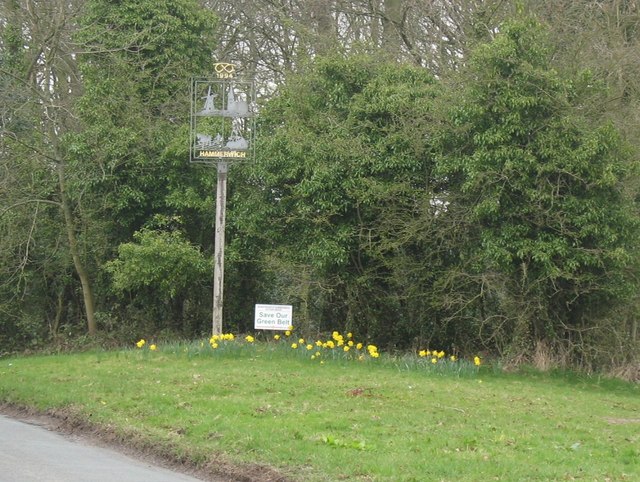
{"x":32,"y":453}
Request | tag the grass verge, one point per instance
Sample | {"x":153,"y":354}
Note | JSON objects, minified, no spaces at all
{"x":339,"y":419}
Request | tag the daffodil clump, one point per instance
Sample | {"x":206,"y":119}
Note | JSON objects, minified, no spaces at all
{"x":217,"y":340}
{"x":437,"y":356}
{"x":337,"y":346}
{"x":440,"y":362}
{"x":142,"y":343}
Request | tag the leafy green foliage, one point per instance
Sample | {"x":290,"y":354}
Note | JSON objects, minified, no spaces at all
{"x":136,"y":104}
{"x":333,"y":144}
{"x":490,"y":207}
{"x":162,"y":261}
{"x":547,"y":229}
{"x":159,"y":42}
{"x":158,"y":282}
{"x":132,"y":150}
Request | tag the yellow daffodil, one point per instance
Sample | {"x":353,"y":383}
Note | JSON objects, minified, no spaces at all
{"x":453,"y":358}
{"x":477,"y":361}
{"x":294,"y":345}
{"x":276,"y":337}
{"x":434,"y":360}
{"x":349,"y":335}
{"x":359,"y":346}
{"x":153,"y":347}
{"x":290,"y":328}
{"x":141,"y":343}
{"x":350,"y":343}
{"x":287,"y":333}
{"x":346,"y":348}
{"x":422,"y":353}
{"x":318,"y":343}
{"x":301,"y":341}
{"x":309,"y":347}
{"x":374,"y":354}
{"x":214,"y":345}
{"x":249,"y":339}
{"x":440,"y":354}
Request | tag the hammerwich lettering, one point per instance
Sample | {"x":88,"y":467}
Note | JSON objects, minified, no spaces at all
{"x":223,"y":154}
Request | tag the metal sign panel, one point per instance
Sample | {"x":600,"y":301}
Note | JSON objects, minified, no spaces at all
{"x":222,"y":118}
{"x":273,"y":317}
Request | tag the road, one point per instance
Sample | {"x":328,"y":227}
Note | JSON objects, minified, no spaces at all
{"x":31,"y":453}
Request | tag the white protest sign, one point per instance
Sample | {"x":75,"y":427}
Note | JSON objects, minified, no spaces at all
{"x":273,"y":317}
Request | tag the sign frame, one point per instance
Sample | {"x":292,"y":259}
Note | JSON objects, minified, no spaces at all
{"x":273,"y":317}
{"x":223,"y":118}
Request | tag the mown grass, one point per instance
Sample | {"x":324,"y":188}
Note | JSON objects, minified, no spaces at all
{"x":378,"y":419}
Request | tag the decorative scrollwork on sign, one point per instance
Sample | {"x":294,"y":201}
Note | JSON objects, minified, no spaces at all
{"x":224,"y":70}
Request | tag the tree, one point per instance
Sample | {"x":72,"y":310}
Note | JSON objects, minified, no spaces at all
{"x":337,"y":139}
{"x":89,"y":137}
{"x":546,"y":230}
{"x":41,"y":67}
{"x":136,"y":70}
{"x":272,"y":37}
{"x":140,"y":57}
{"x":602,"y":37}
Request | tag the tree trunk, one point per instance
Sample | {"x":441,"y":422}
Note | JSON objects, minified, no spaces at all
{"x":87,"y":292}
{"x":391,"y":26}
{"x":305,"y":295}
{"x":320,"y":11}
